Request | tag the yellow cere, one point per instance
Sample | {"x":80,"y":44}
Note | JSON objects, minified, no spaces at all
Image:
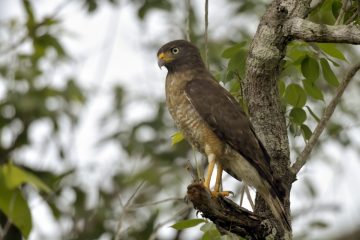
{"x":161,"y":56}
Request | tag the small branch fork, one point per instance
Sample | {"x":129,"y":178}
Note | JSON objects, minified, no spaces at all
{"x":329,"y":110}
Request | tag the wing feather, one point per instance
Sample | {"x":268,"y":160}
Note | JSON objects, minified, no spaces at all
{"x":219,"y":109}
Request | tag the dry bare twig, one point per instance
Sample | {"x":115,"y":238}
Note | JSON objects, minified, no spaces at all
{"x":329,"y":110}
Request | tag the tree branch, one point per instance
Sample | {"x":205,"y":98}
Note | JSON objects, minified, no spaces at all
{"x":206,"y":32}
{"x":312,"y":32}
{"x":228,"y":216}
{"x":260,"y":91}
{"x":329,"y":110}
{"x":136,"y":206}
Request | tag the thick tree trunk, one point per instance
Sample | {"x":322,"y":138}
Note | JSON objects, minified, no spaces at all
{"x":267,"y":50}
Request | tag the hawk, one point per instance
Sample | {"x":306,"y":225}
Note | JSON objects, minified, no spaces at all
{"x":213,"y":122}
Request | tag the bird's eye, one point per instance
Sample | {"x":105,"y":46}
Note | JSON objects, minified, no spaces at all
{"x":175,"y":50}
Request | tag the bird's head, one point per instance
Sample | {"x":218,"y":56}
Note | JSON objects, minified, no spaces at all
{"x":178,"y":54}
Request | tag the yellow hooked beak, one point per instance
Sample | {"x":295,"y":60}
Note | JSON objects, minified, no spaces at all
{"x":163,"y":58}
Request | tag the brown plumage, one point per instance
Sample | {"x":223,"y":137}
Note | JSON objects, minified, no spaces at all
{"x":213,"y":122}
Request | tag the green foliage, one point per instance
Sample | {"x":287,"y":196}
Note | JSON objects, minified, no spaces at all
{"x":235,"y":71}
{"x":233,"y":50}
{"x":12,"y":201}
{"x":15,"y":177}
{"x":326,"y":13}
{"x":189,"y":223}
{"x":148,"y":5}
{"x":14,"y":205}
{"x":237,"y":57}
{"x":177,"y":137}
{"x":210,"y":232}
{"x":92,"y":5}
{"x":328,"y":73}
{"x":304,"y":63}
{"x":310,"y":68}
{"x":295,"y":95}
{"x":331,"y":50}
{"x":317,"y":119}
{"x":312,"y":90}
{"x":305,"y":131}
{"x":28,"y":98}
{"x":297,"y":115}
{"x":281,"y":88}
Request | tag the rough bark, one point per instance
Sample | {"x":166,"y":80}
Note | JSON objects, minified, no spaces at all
{"x":312,"y":32}
{"x":225,"y":214}
{"x":267,"y":49}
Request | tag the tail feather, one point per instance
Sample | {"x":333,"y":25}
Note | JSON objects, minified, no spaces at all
{"x":277,"y":208}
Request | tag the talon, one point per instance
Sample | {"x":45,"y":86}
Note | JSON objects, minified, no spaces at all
{"x":206,"y":183}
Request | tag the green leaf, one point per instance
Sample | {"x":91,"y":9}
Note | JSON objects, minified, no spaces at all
{"x":313,"y":114}
{"x":210,"y":232}
{"x":15,"y":177}
{"x":237,"y":63}
{"x":230,"y":75}
{"x":73,"y":91}
{"x":319,"y":224}
{"x":334,"y":129}
{"x":208,"y":226}
{"x":297,"y":115}
{"x":312,"y":90}
{"x":295,"y":51}
{"x":310,"y":68}
{"x":305,"y":131}
{"x":211,"y":235}
{"x":15,"y":207}
{"x":51,"y":179}
{"x":335,"y":7}
{"x":324,"y":13}
{"x":235,"y":87}
{"x":329,"y":75}
{"x":177,"y":137}
{"x":295,"y":95}
{"x":330,"y":49}
{"x":147,"y":6}
{"x":91,"y":5}
{"x":47,"y":40}
{"x":183,"y":224}
{"x":49,"y":21}
{"x":30,"y":15}
{"x":233,"y":50}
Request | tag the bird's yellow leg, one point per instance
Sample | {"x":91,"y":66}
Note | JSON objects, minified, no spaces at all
{"x":216,"y":191}
{"x":218,"y":178}
{"x":210,"y":170}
